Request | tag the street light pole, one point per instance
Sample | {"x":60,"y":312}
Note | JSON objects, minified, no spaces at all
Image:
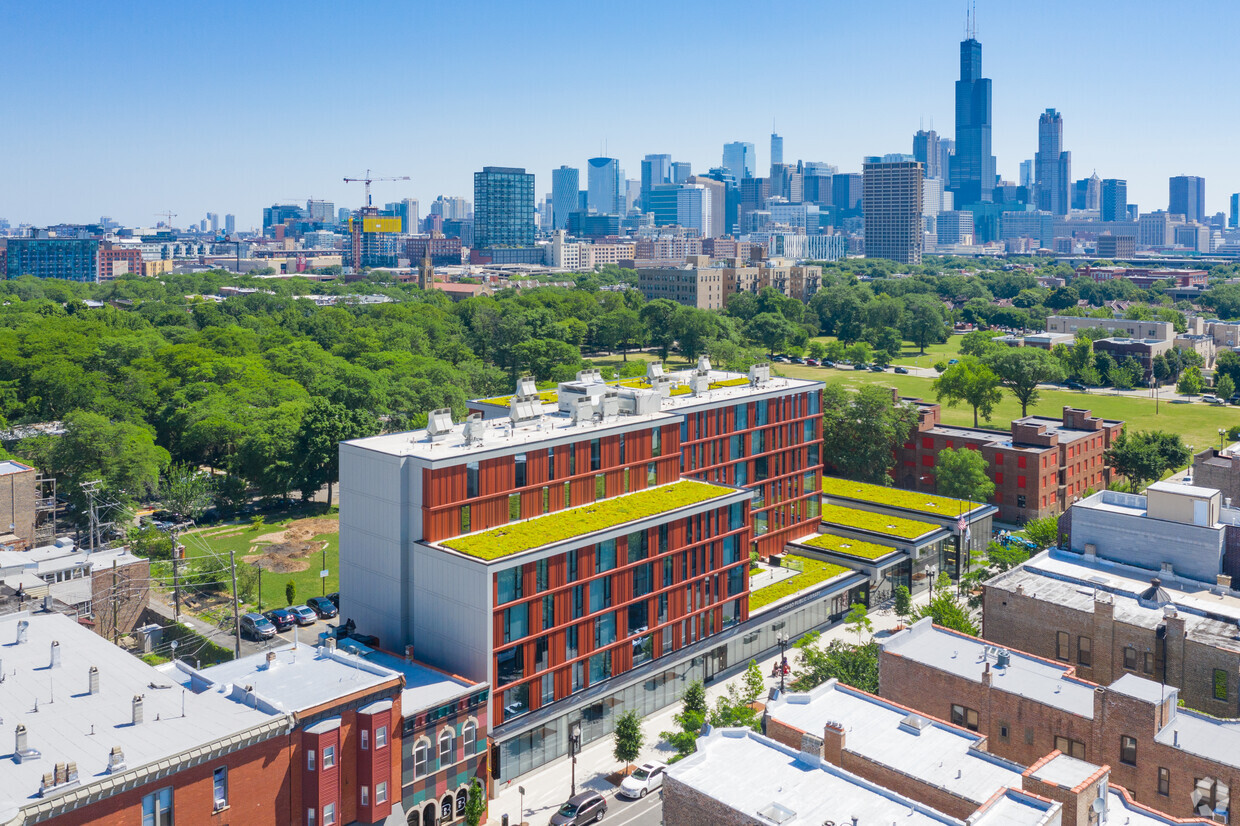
{"x":574,"y":746}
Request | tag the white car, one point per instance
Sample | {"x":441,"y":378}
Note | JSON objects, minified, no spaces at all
{"x":644,"y":779}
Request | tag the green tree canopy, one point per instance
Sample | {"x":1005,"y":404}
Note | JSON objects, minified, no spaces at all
{"x":1144,"y":456}
{"x":971,"y":382}
{"x":961,"y":474}
{"x":861,"y":431}
{"x":1022,"y":369}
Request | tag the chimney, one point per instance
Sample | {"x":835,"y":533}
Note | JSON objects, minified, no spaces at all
{"x":330,"y":644}
{"x":93,"y":680}
{"x":116,"y":760}
{"x":55,"y":654}
{"x":409,"y":653}
{"x":22,"y":627}
{"x":271,"y":660}
{"x":137,"y":709}
{"x":986,"y":675}
{"x":833,"y":743}
{"x":20,"y":745}
{"x":1224,"y":581}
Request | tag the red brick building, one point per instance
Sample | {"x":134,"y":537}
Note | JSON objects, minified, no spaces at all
{"x":1039,"y":467}
{"x":110,"y":255}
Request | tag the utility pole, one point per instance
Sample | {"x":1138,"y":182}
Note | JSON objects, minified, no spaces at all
{"x":176,"y":569}
{"x":260,"y":587}
{"x":115,"y":599}
{"x":232,"y":563}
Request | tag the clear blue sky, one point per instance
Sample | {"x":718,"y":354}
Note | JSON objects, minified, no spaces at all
{"x":129,"y":108}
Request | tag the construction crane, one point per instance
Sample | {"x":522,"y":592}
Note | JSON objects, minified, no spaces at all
{"x":368,"y":179}
{"x":170,"y":215}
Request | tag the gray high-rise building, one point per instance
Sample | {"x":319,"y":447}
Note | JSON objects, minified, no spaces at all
{"x":503,"y":207}
{"x":1052,"y":166}
{"x":656,"y":170}
{"x":565,"y":184}
{"x":1233,"y":216}
{"x":738,"y":159}
{"x":1114,"y":201}
{"x":213,"y":218}
{"x":846,"y":191}
{"x":893,"y":210}
{"x":1188,"y":197}
{"x":926,"y":151}
{"x":777,"y":149}
{"x":603,"y":185}
{"x":230,"y":224}
{"x":1026,"y":174}
{"x":322,"y":211}
{"x":1087,"y":193}
{"x":682,"y":171}
{"x":973,"y":167}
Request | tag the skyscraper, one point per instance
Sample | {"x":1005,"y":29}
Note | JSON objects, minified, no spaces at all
{"x":1233,"y":217}
{"x":893,"y":210}
{"x":693,"y":208}
{"x":603,"y":185}
{"x":1026,"y":174}
{"x":656,"y":169}
{"x":1188,"y":197}
{"x":973,"y":167}
{"x":1052,"y":166}
{"x":738,"y":159}
{"x":230,"y":224}
{"x":405,"y":209}
{"x":777,"y":149}
{"x":565,"y":182}
{"x":681,"y":172}
{"x":926,"y":151}
{"x":503,"y":207}
{"x":1114,"y":201}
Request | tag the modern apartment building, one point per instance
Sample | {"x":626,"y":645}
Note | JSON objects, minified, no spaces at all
{"x":893,"y":210}
{"x":592,"y":536}
{"x":503,"y":207}
{"x":1039,"y":466}
{"x":73,"y":259}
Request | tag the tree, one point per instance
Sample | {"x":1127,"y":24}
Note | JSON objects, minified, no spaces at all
{"x":862,"y":430}
{"x":816,"y":350}
{"x":1144,"y":456}
{"x":924,"y":320}
{"x":149,"y":542}
{"x":961,"y":474}
{"x":1022,"y":369}
{"x":854,"y":665}
{"x":185,"y":491}
{"x":904,"y":602}
{"x":971,"y":382}
{"x":753,"y":681}
{"x":979,"y":343}
{"x":1043,"y":532}
{"x":1127,"y":374}
{"x":619,"y":330}
{"x":475,"y":804}
{"x":689,"y":720}
{"x":735,"y":709}
{"x":628,"y":737}
{"x":858,"y":621}
{"x":947,"y":609}
{"x":1191,"y":382}
{"x":1224,"y":386}
{"x":657,"y":315}
{"x":323,"y":427}
{"x":771,"y":330}
{"x":290,"y":591}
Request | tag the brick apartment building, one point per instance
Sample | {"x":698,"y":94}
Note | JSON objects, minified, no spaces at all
{"x":1167,"y":758}
{"x":18,"y":494}
{"x":694,"y":286}
{"x":1039,"y":467}
{"x":591,"y":533}
{"x":115,"y":261}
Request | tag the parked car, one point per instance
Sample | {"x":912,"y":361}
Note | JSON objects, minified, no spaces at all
{"x":798,"y":360}
{"x":303,"y":614}
{"x":334,"y":596}
{"x":953,"y":361}
{"x":281,"y":618}
{"x":826,"y":363}
{"x":645,"y":779}
{"x":586,"y":807}
{"x":257,"y":627}
{"x":1234,"y":399}
{"x":903,"y":371}
{"x":1210,"y":398}
{"x":812,"y":362}
{"x":1073,"y":385}
{"x":877,"y":368}
{"x":861,"y":365}
{"x":322,"y":606}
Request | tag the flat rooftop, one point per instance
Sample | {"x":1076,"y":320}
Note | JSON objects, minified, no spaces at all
{"x":551,"y":423}
{"x":424,"y":686}
{"x":298,"y":678}
{"x":1208,"y":737}
{"x":909,"y":500}
{"x":8,"y":466}
{"x":846,"y":546}
{"x":1065,"y":771}
{"x":66,"y":723}
{"x":913,"y":744}
{"x":570,"y":523}
{"x":1024,"y":675}
{"x":896,"y":527}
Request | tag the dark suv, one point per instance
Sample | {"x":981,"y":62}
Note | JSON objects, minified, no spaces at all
{"x":586,"y":807}
{"x":323,"y":607}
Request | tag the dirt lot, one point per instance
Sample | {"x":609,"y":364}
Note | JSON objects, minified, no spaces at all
{"x":290,"y":550}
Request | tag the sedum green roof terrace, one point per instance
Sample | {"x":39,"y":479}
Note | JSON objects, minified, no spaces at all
{"x":814,"y":572}
{"x":515,"y":537}
{"x":897,"y":497}
{"x":879,"y":523}
{"x":848,"y":547}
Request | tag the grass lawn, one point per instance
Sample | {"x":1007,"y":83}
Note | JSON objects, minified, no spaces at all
{"x":243,"y":540}
{"x":1197,"y":424}
{"x":910,"y":356}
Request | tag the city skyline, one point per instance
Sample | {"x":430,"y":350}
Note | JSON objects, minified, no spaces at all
{"x":192,"y":132}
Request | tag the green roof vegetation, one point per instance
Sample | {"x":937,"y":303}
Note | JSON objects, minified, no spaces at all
{"x":813,"y":572}
{"x":516,"y":537}
{"x":876,"y":522}
{"x":896,"y":497}
{"x":544,"y":396}
{"x":848,"y":547}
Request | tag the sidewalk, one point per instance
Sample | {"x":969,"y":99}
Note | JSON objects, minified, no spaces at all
{"x":549,"y":786}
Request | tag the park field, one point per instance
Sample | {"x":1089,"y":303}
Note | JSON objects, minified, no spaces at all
{"x":910,"y":356}
{"x":1197,"y":424}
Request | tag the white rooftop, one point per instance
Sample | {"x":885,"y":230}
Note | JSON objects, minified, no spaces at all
{"x":8,"y":466}
{"x":929,"y":750}
{"x":424,"y":686}
{"x":300,"y":677}
{"x":1065,"y":771}
{"x":1208,"y":737}
{"x":751,"y":774}
{"x":1024,"y":675}
{"x":64,"y":722}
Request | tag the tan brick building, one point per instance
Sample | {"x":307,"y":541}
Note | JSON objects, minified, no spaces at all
{"x":18,"y":492}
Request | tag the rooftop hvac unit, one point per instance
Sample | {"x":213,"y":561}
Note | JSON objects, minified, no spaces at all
{"x":654,"y":370}
{"x":439,"y":424}
{"x":703,"y":364}
{"x":699,"y":383}
{"x":474,"y":428}
{"x":526,"y":388}
{"x":582,"y":409}
{"x":639,"y":402}
{"x":589,"y":376}
{"x":523,"y":410}
{"x":1003,"y":659}
{"x":760,"y":374}
{"x":610,"y":406}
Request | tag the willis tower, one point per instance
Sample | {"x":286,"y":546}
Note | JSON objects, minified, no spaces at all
{"x":973,"y":167}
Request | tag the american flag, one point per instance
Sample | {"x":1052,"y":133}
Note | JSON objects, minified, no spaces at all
{"x":962,"y":525}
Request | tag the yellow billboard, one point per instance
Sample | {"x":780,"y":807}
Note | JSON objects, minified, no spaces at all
{"x":381,"y":225}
